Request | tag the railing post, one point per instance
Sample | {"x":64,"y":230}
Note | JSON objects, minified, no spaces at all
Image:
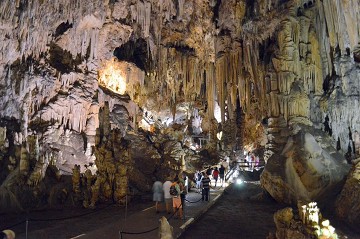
{"x":26,"y":228}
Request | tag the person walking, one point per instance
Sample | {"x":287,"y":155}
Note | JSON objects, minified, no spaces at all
{"x":167,"y":196}
{"x":158,"y":194}
{"x":183,"y":191}
{"x":205,"y":187}
{"x":215,"y":175}
{"x":199,"y":177}
{"x":222,"y":174}
{"x":209,"y":171}
{"x":175,"y":192}
{"x":225,"y":163}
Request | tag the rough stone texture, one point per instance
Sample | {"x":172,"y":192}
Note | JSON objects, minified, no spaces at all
{"x":283,"y":63}
{"x":307,"y":169}
{"x":347,"y":205}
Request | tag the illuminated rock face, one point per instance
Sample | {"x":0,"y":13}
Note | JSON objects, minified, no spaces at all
{"x":292,"y":67}
{"x":312,"y":169}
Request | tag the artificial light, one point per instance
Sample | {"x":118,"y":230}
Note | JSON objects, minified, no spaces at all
{"x":113,"y":77}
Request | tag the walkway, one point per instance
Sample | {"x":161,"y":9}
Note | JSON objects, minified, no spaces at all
{"x":111,"y":222}
{"x":243,"y":212}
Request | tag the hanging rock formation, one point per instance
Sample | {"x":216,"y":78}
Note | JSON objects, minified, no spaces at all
{"x":78,"y":78}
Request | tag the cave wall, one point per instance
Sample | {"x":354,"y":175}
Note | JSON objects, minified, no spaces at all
{"x":292,"y":65}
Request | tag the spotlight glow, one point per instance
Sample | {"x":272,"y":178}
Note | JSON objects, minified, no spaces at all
{"x":112,"y":77}
{"x":239,"y":181}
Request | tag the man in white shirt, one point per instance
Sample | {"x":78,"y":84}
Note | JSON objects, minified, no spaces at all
{"x":167,"y":196}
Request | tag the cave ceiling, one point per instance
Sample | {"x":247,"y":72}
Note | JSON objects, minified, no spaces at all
{"x":73,"y":70}
{"x":205,"y":54}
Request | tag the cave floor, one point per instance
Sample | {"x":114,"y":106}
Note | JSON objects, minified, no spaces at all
{"x":240,"y":211}
{"x":244,"y":212}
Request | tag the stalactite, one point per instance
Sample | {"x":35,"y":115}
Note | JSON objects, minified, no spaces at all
{"x":220,"y":81}
{"x":34,"y":36}
{"x":210,"y":86}
{"x":185,"y":78}
{"x":181,"y":8}
{"x":147,"y":19}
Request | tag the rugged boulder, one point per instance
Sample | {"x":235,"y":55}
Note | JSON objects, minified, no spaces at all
{"x":307,"y":169}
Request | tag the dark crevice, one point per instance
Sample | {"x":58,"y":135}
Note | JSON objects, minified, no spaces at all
{"x":329,"y":82}
{"x":135,"y":51}
{"x":62,"y":28}
{"x":338,"y":144}
{"x":327,"y":126}
{"x":250,"y":9}
{"x":224,"y":32}
{"x":337,"y":51}
{"x":356,"y":53}
{"x":62,"y":60}
{"x":11,"y":124}
{"x":348,"y":154}
{"x":186,"y":50}
{"x":216,"y":10}
{"x":347,"y":51}
{"x":83,"y":134}
{"x":300,"y":12}
{"x":350,"y":134}
{"x":266,"y":50}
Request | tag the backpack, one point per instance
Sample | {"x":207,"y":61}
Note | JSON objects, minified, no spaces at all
{"x":173,"y":191}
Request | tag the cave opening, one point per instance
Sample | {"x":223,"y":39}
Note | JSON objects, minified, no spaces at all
{"x":62,"y":28}
{"x":216,"y":10}
{"x":327,"y":125}
{"x":135,"y":51}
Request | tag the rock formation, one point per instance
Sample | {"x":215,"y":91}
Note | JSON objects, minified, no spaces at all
{"x":307,"y":223}
{"x":171,"y":78}
{"x":347,"y":204}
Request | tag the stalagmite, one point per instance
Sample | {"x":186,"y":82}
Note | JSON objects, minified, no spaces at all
{"x":78,"y":77}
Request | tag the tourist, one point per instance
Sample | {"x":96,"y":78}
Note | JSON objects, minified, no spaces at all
{"x":252,"y":162}
{"x":196,"y":176}
{"x":257,"y":162}
{"x":158,"y":194}
{"x":182,"y":184}
{"x":222,"y":174}
{"x":225,"y":163}
{"x":177,"y":205}
{"x":198,"y":181}
{"x":215,"y":175}
{"x":209,"y":171}
{"x":186,"y":183}
{"x":248,"y":161}
{"x":205,"y":187}
{"x":167,"y":196}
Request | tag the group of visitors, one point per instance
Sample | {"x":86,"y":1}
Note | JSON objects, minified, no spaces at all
{"x":252,"y":161}
{"x":203,"y":180}
{"x":172,"y":192}
{"x":212,"y":173}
